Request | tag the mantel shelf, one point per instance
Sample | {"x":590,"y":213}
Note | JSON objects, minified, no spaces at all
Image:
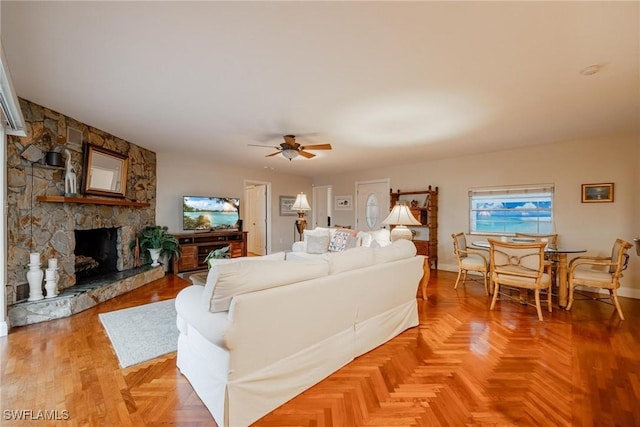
{"x":92,"y":201}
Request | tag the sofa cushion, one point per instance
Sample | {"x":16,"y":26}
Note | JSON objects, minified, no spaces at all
{"x":343,"y":239}
{"x":399,"y":249}
{"x":350,"y":259}
{"x":245,"y":276}
{"x":212,"y":277}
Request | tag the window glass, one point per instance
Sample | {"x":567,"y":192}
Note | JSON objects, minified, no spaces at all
{"x":372,"y":210}
{"x":526,"y":209}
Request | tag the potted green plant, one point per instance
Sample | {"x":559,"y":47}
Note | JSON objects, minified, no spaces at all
{"x":158,"y":241}
{"x":219,"y":253}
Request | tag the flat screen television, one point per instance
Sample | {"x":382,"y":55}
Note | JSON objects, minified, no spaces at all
{"x":210,"y":213}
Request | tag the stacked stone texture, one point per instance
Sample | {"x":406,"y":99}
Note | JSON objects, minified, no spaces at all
{"x":48,"y":228}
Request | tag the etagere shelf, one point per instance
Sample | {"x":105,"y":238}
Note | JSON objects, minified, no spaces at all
{"x":424,"y":207}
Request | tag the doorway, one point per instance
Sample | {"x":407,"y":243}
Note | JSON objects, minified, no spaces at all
{"x":372,"y":203}
{"x":257,"y":217}
{"x":322,"y":207}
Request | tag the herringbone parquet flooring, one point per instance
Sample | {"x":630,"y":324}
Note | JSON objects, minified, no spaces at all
{"x":463,"y":366}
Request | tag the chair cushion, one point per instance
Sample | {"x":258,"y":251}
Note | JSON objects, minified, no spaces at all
{"x":473,"y":262}
{"x":597,"y":277}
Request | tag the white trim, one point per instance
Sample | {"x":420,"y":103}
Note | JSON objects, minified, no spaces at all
{"x":9,"y":104}
{"x":4,"y":328}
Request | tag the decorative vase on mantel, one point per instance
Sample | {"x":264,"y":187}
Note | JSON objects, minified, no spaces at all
{"x":155,"y":255}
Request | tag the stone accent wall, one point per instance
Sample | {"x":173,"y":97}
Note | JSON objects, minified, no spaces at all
{"x":48,"y":228}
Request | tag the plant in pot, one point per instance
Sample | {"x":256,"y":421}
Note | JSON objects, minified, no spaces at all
{"x":219,"y":253}
{"x":158,"y":241}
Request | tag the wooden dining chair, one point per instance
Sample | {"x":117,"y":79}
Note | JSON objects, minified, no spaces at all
{"x":591,"y":277}
{"x":469,"y":260}
{"x":552,"y":241}
{"x":519,"y":265}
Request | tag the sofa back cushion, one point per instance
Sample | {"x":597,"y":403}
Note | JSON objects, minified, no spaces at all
{"x":245,"y":276}
{"x":212,"y":277}
{"x":350,"y":260}
{"x":399,"y":249}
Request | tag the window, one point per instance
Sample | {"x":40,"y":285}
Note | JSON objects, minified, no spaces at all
{"x":507,"y":210}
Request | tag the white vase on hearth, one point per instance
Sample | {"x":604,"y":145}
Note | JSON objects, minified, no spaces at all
{"x":34,"y":277}
{"x":155,"y":255}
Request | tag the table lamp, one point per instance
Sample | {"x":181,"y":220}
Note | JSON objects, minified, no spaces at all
{"x":401,"y":216}
{"x":301,"y":205}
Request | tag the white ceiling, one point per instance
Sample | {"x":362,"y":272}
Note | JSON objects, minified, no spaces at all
{"x":383,"y":82}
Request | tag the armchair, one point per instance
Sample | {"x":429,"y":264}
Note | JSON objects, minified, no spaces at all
{"x":609,"y":278}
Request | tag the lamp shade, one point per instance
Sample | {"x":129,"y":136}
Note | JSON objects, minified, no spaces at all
{"x":401,"y":215}
{"x":301,"y":203}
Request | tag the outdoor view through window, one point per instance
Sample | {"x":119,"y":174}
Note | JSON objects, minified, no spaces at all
{"x":510,"y":210}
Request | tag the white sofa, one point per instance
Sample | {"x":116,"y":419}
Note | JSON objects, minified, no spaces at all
{"x":290,"y":324}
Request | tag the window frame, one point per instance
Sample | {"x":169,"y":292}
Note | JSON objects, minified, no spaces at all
{"x":514,"y":194}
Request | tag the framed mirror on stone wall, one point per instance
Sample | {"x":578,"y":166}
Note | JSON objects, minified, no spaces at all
{"x":104,"y":172}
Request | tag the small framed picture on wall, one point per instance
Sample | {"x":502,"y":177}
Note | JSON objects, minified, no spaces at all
{"x":286,"y":202}
{"x":344,"y":203}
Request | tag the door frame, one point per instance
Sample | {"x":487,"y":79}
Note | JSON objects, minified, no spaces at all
{"x":268,"y":219}
{"x":329,"y":189}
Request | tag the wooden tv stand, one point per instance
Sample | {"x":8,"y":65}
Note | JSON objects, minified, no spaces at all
{"x":196,"y":246}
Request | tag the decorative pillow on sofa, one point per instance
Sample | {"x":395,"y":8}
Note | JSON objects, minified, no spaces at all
{"x":343,"y":239}
{"x":212,"y":277}
{"x":317,"y":243}
{"x":244,"y":276}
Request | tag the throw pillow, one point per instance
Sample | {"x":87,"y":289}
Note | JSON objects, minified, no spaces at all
{"x":317,"y":243}
{"x":342,"y":239}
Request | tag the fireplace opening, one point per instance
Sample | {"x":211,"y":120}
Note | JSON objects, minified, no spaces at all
{"x":96,"y":253}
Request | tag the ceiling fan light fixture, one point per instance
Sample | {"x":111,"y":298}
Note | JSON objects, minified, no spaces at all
{"x":290,"y":154}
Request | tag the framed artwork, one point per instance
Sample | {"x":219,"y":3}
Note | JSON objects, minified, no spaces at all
{"x":597,"y":193}
{"x":344,"y":203}
{"x":285,"y":206}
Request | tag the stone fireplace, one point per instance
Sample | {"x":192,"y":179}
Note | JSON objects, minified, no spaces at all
{"x":70,"y":227}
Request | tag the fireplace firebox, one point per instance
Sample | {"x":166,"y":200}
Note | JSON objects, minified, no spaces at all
{"x":96,"y":253}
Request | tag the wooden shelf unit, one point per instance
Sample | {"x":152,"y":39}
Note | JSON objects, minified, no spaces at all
{"x":196,"y":246}
{"x":92,"y":201}
{"x":425,"y":211}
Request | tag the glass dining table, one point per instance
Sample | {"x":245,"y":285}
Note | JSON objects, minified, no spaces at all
{"x":562,"y":256}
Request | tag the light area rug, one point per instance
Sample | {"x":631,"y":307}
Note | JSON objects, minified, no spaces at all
{"x":142,"y":333}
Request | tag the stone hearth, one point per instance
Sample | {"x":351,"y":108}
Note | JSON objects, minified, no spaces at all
{"x":77,"y":298}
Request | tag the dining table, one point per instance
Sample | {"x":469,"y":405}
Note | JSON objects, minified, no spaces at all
{"x":562,"y":253}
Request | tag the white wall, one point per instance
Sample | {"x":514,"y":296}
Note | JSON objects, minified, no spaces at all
{"x":184,"y":175}
{"x":592,"y":226}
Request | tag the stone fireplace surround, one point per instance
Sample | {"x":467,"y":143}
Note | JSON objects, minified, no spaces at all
{"x":49,"y":228}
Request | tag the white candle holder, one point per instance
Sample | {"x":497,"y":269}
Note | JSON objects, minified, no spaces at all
{"x":51,"y":282}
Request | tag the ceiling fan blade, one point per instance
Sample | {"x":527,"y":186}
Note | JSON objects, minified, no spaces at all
{"x":316,"y":147}
{"x":265,"y":146}
{"x":273,"y":154}
{"x":305,"y":154}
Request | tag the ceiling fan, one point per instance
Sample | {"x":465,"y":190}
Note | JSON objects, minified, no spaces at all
{"x":291,"y":149}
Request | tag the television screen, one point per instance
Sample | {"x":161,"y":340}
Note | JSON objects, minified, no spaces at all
{"x":206,"y":213}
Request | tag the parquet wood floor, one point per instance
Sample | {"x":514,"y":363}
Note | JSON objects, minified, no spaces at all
{"x":463,"y":366}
